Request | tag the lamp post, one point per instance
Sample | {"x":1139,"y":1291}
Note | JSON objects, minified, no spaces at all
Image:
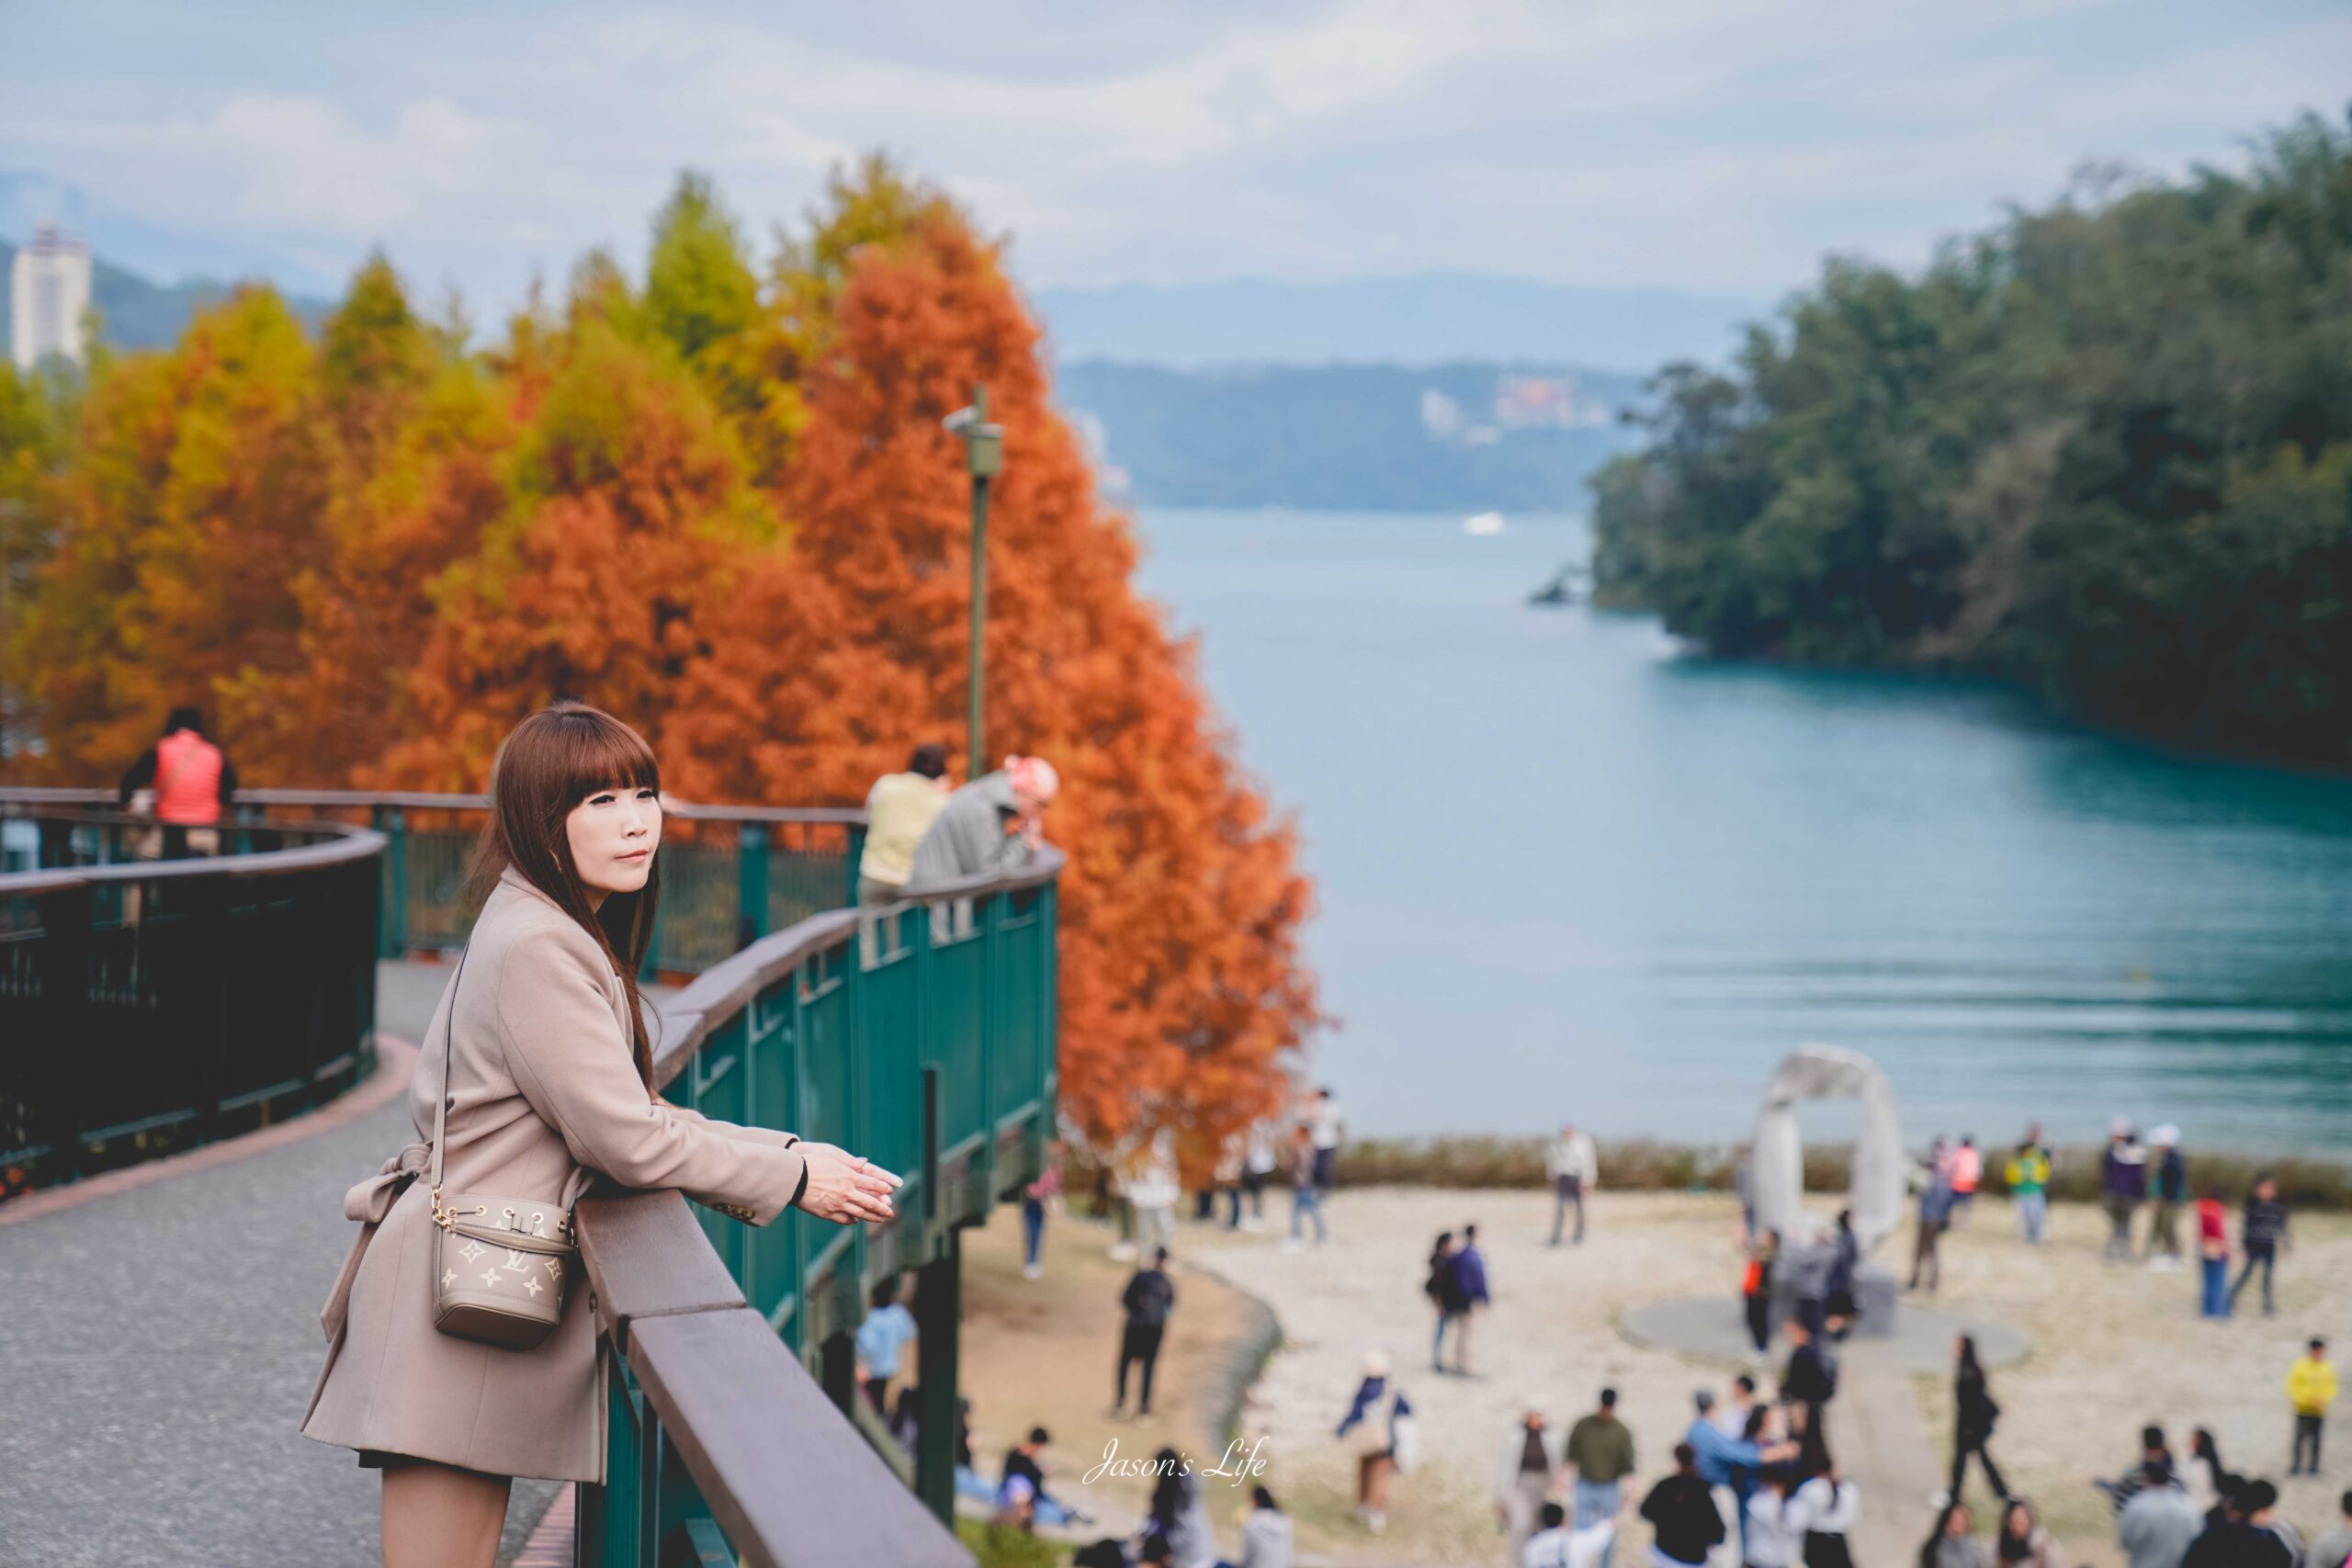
{"x":983,"y":458}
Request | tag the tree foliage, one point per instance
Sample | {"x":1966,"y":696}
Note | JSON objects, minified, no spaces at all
{"x":721,"y":505}
{"x":2102,"y":451}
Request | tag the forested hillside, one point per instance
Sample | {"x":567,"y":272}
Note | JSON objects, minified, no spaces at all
{"x":2105,"y":450}
{"x":1375,"y":437}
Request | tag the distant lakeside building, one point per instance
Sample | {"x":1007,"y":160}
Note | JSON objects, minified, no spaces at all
{"x":49,"y":293}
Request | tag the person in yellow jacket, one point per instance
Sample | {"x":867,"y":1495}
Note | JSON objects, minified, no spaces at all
{"x":2027,"y":1175}
{"x":2311,"y":1385}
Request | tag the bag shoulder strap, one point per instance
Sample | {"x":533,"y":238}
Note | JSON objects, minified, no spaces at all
{"x":449,"y":1051}
{"x":574,"y":1186}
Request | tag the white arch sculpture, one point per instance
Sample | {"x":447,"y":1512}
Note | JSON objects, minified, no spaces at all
{"x":1777,"y":1169}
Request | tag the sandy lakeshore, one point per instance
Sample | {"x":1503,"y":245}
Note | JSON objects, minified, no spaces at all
{"x":2111,"y":1347}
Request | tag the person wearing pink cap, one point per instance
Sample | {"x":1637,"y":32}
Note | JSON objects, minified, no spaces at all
{"x":994,"y":822}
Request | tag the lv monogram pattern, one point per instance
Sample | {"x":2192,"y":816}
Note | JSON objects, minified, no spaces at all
{"x":528,"y":1272}
{"x":505,"y":1271}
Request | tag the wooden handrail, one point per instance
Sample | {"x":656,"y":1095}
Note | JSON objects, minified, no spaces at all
{"x":788,"y":1479}
{"x":771,"y":1455}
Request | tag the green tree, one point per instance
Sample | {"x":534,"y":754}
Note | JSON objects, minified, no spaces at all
{"x":2098,"y":451}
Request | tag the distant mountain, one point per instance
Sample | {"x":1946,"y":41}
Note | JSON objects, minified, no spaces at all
{"x":1375,"y":437}
{"x":137,"y":313}
{"x":1420,"y":318}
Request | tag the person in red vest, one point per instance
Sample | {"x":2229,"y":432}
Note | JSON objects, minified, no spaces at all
{"x":192,"y":781}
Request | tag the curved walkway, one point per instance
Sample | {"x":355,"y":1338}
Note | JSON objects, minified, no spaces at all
{"x":161,"y":1342}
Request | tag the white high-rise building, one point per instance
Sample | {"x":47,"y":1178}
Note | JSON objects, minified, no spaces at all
{"x":49,"y":289}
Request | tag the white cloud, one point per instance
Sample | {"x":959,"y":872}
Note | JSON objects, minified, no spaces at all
{"x":1711,"y":143}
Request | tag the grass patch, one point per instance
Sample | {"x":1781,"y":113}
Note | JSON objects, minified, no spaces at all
{"x":996,"y":1546}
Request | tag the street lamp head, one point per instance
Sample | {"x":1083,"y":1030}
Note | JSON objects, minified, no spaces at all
{"x":983,"y":442}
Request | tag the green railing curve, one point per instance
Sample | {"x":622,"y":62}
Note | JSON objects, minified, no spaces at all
{"x":730,"y":873}
{"x":150,"y":1004}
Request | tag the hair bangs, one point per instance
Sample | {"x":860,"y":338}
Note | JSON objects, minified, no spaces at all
{"x":593,"y":751}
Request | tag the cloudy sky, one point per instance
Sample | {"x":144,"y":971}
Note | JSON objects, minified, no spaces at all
{"x":1703,"y":144}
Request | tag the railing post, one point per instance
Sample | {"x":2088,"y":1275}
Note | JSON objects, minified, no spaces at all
{"x":393,"y":927}
{"x":752,"y":842}
{"x":930,"y":1149}
{"x":56,"y":850}
{"x":939,"y":1305}
{"x":988,"y":921}
{"x":72,"y":1014}
{"x":1049,"y":1032}
{"x":837,"y":1369}
{"x":647,"y":971}
{"x":856,"y":833}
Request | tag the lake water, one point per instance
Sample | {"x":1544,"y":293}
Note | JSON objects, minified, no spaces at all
{"x":1566,"y":873}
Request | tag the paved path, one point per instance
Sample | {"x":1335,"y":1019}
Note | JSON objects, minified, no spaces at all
{"x":1876,"y":1433}
{"x":160,"y":1344}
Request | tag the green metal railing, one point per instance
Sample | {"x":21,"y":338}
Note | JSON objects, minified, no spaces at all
{"x":932,"y":1051}
{"x":151,"y":1001}
{"x":731,"y":874}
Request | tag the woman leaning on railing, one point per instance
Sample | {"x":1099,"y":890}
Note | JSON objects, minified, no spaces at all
{"x":541,"y":1041}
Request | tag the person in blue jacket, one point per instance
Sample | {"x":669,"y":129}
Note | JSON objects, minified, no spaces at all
{"x":1726,"y":1461}
{"x":1470,"y":1290}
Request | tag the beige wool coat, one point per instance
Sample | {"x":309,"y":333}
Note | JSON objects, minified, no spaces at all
{"x":543,"y":1095}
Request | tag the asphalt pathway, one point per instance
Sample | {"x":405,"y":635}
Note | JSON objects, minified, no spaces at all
{"x":157,"y":1347}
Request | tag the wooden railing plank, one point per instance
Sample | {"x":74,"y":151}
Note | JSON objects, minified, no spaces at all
{"x":742,"y":1410}
{"x":646,"y":1258}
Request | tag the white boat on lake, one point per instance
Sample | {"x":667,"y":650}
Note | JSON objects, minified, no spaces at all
{"x":1484,"y":523}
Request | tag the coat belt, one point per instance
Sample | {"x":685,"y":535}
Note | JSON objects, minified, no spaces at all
{"x":368,"y":1204}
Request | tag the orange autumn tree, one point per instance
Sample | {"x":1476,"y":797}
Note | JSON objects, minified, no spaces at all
{"x":421,"y":431}
{"x":721,"y":506}
{"x":628,"y":516}
{"x":1182,"y":979}
{"x":190,"y":498}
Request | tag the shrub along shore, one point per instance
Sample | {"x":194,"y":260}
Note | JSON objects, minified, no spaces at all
{"x":1642,"y":1165}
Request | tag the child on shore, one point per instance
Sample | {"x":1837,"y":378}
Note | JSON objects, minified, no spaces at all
{"x":2311,"y":1386}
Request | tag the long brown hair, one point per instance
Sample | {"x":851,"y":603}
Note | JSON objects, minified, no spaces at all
{"x":553,"y":760}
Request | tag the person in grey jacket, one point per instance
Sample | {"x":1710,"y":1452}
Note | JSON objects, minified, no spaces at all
{"x":1266,"y":1538}
{"x":1575,"y":1169}
{"x":1953,"y":1544}
{"x":2331,"y":1550}
{"x":992,"y":823}
{"x":2155,"y":1527}
{"x":1811,"y":1268}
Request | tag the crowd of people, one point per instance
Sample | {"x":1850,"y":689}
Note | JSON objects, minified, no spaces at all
{"x":2200,"y":1514}
{"x":1755,"y":1483}
{"x":2137,"y":1178}
{"x":1561,"y":1498}
{"x":1139,"y":1190}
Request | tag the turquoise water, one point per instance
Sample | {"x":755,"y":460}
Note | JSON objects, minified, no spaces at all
{"x":1566,"y":873}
